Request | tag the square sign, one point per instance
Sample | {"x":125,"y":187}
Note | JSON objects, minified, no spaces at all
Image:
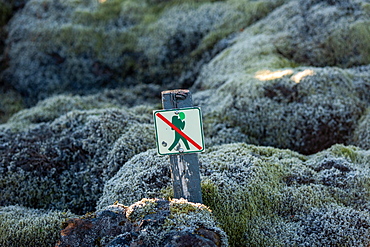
{"x":179,"y":131}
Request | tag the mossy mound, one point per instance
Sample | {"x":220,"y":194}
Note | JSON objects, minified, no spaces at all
{"x":264,"y":196}
{"x":10,"y":103}
{"x":262,"y":87}
{"x":326,"y":33}
{"x":63,"y":164}
{"x":24,"y":227}
{"x":83,"y":46}
{"x":361,"y":137}
{"x":148,"y":222}
{"x":143,"y":176}
{"x":47,"y":110}
{"x":304,"y":109}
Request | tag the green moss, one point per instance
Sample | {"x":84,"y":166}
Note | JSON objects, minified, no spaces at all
{"x":350,"y":152}
{"x":23,"y":227}
{"x":5,"y":13}
{"x":235,"y":221}
{"x":85,"y":39}
{"x":184,"y":207}
{"x":354,"y":40}
{"x":360,"y":36}
{"x":140,"y":209}
{"x":245,"y":203}
{"x":107,"y":10}
{"x":158,"y":7}
{"x":245,"y":13}
{"x":10,"y":103}
{"x":366,"y":7}
{"x":260,"y":196}
{"x":167,"y":192}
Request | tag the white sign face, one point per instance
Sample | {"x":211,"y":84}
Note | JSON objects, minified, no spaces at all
{"x":179,"y":131}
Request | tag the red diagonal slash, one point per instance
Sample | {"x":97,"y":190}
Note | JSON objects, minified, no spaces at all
{"x":178,"y":131}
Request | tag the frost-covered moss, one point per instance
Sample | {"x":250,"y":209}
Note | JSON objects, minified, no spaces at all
{"x":141,"y":177}
{"x":10,"y":103}
{"x":174,"y":217}
{"x":326,"y":33}
{"x":187,"y":35}
{"x":51,"y":108}
{"x":67,"y":55}
{"x":303,"y":109}
{"x":80,"y":46}
{"x":64,"y":164}
{"x":361,"y":135}
{"x":264,"y":196}
{"x":259,"y":87}
{"x":23,"y":227}
{"x":148,"y":222}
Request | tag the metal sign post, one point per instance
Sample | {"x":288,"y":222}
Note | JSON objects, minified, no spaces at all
{"x":180,"y":134}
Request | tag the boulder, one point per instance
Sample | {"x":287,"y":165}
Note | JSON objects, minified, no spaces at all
{"x":148,"y":222}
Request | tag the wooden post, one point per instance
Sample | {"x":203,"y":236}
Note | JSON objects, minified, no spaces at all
{"x":184,"y":167}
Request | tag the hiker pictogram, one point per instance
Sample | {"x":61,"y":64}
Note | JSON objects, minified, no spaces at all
{"x":179,"y":122}
{"x":179,"y":131}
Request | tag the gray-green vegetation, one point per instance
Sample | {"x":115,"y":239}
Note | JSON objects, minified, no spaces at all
{"x":361,"y":136}
{"x":289,"y":76}
{"x":270,"y":108}
{"x":268,"y":85}
{"x":63,"y":164}
{"x":264,"y":196}
{"x":46,"y":111}
{"x":24,"y":227}
{"x":148,"y":222}
{"x":82,"y":46}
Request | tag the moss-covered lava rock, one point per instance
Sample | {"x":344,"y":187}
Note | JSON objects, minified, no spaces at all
{"x":361,"y":135}
{"x":23,"y":227}
{"x":83,"y":46}
{"x":267,"y":84}
{"x":264,"y":196}
{"x":148,"y":222}
{"x":63,"y":164}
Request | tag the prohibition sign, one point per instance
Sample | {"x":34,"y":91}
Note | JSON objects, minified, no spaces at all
{"x":185,"y":128}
